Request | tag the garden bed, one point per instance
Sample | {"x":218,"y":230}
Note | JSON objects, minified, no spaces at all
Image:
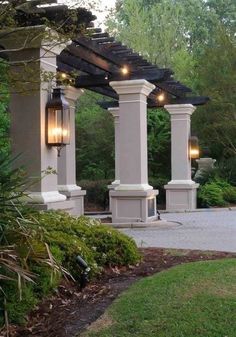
{"x":70,"y":311}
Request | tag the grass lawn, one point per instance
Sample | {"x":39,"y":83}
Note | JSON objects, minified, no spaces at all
{"x":191,"y":300}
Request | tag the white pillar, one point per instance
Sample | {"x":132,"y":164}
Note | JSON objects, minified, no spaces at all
{"x":67,"y":160}
{"x":181,"y":190}
{"x":27,"y":112}
{"x":133,"y":199}
{"x":115,"y":114}
{"x":116,"y":117}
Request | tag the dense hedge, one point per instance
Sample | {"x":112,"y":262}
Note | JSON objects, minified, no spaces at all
{"x":67,"y":237}
{"x":97,"y":193}
{"x":216,"y":193}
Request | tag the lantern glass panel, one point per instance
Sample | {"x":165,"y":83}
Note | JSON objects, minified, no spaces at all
{"x":58,"y":130}
{"x":194,"y":151}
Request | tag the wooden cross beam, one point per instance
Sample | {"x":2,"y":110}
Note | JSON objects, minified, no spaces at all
{"x":103,"y":80}
{"x":196,"y":101}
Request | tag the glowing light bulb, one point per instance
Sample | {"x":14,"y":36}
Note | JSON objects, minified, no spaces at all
{"x":161,"y":97}
{"x":125,"y":70}
{"x":194,"y":153}
{"x":64,"y":76}
{"x":56,"y":131}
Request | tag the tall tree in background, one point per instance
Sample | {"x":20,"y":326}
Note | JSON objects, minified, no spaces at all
{"x":216,"y":122}
{"x":94,"y":139}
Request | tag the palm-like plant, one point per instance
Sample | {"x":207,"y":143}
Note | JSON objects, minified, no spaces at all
{"x":21,"y":239}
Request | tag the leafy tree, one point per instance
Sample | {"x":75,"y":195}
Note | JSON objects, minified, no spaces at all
{"x":216,"y":122}
{"x":154,"y":31}
{"x":94,"y":139}
{"x":158,"y":142}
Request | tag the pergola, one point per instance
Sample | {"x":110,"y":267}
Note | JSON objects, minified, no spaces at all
{"x":103,"y":65}
{"x":102,"y":59}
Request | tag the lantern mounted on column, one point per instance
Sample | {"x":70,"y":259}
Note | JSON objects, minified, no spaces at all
{"x":57,"y":120}
{"x":193,"y":148}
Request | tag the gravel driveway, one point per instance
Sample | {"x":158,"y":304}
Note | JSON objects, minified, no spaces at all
{"x":205,"y":230}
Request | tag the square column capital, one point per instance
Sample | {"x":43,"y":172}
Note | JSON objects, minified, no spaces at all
{"x":71,"y":94}
{"x":132,"y":87}
{"x":180,"y":109}
{"x":114,"y":112}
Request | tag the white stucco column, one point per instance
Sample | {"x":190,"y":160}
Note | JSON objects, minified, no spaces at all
{"x":27,"y":111}
{"x":67,"y":161}
{"x":130,"y":199}
{"x":116,"y":117}
{"x":181,"y":190}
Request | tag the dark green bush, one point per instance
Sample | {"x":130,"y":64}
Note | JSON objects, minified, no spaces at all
{"x":211,"y":194}
{"x":97,"y":192}
{"x":71,"y":246}
{"x":100,"y":245}
{"x":217,"y":192}
{"x":158,"y":184}
{"x":229,"y":194}
{"x":18,"y":308}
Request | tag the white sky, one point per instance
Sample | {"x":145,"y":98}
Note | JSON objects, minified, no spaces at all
{"x":103,"y":11}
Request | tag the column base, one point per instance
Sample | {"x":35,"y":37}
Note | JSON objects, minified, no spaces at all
{"x":44,"y":197}
{"x":133,"y":206}
{"x":181,"y":195}
{"x":77,"y":197}
{"x":52,"y":200}
{"x":112,"y":187}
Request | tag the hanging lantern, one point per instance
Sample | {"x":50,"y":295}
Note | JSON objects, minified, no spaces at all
{"x":57,"y":120}
{"x":194,"y":148}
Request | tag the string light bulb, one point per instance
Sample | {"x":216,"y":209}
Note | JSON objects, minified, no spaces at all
{"x":125,"y":70}
{"x":63,"y":76}
{"x":161,"y":97}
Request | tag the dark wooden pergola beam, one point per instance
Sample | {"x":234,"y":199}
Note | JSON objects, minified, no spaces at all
{"x":196,"y":101}
{"x":93,"y":47}
{"x":122,"y":51}
{"x":66,"y":60}
{"x":99,"y":35}
{"x":92,"y":30}
{"x":92,"y":58}
{"x":103,"y":80}
{"x":105,"y":92}
{"x":164,"y":87}
{"x":104,"y":40}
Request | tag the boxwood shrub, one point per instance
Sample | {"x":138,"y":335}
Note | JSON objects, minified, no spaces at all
{"x":217,"y":192}
{"x":98,"y":244}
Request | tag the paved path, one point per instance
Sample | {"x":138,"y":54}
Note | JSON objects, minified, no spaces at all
{"x":197,"y":230}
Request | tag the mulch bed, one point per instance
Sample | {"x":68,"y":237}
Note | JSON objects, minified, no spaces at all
{"x":69,"y":311}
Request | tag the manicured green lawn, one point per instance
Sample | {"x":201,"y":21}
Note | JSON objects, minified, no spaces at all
{"x":191,"y":300}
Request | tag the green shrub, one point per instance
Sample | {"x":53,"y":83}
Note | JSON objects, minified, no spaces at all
{"x":87,"y":237}
{"x":217,"y":192}
{"x":97,"y":192}
{"x":229,"y":194}
{"x":18,"y":308}
{"x":71,"y":246}
{"x":211,"y":194}
{"x":158,"y":184}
